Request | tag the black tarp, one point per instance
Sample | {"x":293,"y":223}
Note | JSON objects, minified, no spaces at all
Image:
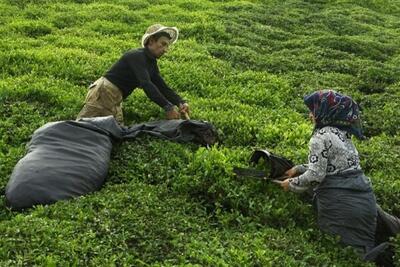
{"x":199,"y":132}
{"x":68,"y":159}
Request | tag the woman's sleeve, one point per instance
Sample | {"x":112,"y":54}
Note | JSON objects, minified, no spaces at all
{"x":302,"y":168}
{"x":317,"y":164}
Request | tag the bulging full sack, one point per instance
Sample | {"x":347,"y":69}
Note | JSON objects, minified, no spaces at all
{"x":64,"y":160}
{"x":67,"y":159}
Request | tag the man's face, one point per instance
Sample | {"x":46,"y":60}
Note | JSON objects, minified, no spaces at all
{"x":159,"y":47}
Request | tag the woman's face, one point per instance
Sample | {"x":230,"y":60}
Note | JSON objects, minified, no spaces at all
{"x":311,"y":116}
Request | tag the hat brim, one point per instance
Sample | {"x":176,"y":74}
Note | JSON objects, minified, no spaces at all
{"x":172,"y":31}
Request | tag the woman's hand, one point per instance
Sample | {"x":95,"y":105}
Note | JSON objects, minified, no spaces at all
{"x":285,"y":184}
{"x":291,"y":172}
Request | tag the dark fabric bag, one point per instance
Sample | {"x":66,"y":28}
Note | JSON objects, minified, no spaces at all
{"x":64,"y":160}
{"x":68,"y":159}
{"x":199,"y":132}
{"x":387,"y":226}
{"x":274,"y":166}
{"x":278,"y":165}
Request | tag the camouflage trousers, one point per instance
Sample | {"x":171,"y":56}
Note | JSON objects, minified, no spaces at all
{"x":103,"y":99}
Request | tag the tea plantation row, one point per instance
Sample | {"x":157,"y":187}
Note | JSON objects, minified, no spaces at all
{"x":242,"y":65}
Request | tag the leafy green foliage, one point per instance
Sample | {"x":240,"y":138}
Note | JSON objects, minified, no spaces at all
{"x":242,"y":65}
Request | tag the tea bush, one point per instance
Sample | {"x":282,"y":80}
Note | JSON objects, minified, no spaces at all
{"x":242,"y":65}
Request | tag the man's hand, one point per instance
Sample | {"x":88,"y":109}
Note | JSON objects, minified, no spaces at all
{"x":184,"y":108}
{"x":172,"y":114}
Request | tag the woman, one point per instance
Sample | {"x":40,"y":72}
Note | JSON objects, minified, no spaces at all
{"x":343,"y":195}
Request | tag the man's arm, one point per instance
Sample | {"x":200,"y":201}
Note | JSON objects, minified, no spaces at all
{"x":138,"y":66}
{"x":166,"y":90}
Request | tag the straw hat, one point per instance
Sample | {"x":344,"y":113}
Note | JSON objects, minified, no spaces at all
{"x":156,"y":28}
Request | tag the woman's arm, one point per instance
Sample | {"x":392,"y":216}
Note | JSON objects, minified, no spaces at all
{"x":316,"y":167}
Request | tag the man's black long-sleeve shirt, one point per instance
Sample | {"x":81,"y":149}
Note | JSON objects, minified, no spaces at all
{"x":138,"y":68}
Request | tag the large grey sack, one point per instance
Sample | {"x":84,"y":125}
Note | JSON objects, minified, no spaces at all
{"x":64,"y":160}
{"x":67,"y":159}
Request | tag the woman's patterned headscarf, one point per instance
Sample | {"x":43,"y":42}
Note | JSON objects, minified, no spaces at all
{"x":333,"y":109}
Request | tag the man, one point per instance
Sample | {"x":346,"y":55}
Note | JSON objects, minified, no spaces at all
{"x":136,"y":68}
